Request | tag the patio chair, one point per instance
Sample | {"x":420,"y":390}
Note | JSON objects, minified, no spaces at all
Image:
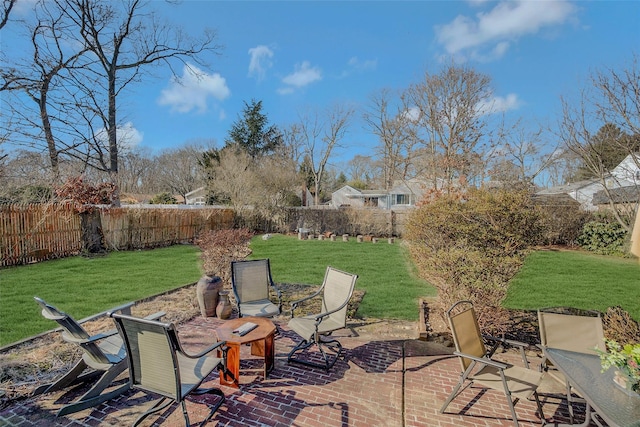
{"x":250,"y":282}
{"x":565,"y":329}
{"x":477,"y":366}
{"x":336,"y":290}
{"x":158,"y":364}
{"x":102,"y":353}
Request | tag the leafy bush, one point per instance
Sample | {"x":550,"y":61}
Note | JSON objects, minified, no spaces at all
{"x":220,"y":247}
{"x":163,"y":199}
{"x":603,"y":237}
{"x":470,"y":245}
{"x":563,"y":223}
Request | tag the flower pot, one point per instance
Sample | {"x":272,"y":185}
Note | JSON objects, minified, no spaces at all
{"x":623,"y":381}
{"x":223,"y":310}
{"x":207,"y":292}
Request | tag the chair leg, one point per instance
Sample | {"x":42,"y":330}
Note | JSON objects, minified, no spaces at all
{"x":329,"y":361}
{"x":71,"y":377}
{"x":457,"y":388}
{"x":158,"y":406}
{"x":215,"y":407}
{"x":95,"y":395}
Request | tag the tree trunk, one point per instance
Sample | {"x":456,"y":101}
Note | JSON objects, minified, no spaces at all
{"x":92,"y":237}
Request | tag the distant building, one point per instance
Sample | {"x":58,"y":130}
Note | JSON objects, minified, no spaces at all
{"x":625,"y":175}
{"x":404,"y":194}
{"x":196,"y":197}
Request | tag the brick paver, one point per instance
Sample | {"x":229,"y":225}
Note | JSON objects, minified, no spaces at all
{"x":383,"y":381}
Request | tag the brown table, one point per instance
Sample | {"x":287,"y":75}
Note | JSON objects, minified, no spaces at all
{"x":261,"y":340}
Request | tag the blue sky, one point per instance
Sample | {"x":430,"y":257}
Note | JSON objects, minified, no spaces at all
{"x":296,"y":55}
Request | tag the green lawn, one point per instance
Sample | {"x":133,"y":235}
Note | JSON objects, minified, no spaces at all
{"x":385,"y":271}
{"x":576,"y":279}
{"x":86,"y":286}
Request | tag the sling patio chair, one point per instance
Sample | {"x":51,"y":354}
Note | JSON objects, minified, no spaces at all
{"x":158,"y":364}
{"x":251,"y":281}
{"x":477,"y":366}
{"x":103,"y":354}
{"x":569,"y":329}
{"x":336,"y":290}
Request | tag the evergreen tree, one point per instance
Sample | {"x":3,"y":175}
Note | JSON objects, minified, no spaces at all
{"x":252,"y":132}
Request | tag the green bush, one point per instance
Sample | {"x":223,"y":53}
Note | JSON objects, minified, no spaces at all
{"x":603,"y":237}
{"x":163,"y":199}
{"x":470,"y":245}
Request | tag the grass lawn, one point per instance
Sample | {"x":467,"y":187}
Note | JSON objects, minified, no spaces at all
{"x":385,"y":271}
{"x":86,"y":286}
{"x":576,"y":279}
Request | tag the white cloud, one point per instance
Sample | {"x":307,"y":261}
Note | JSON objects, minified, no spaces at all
{"x":260,"y":61}
{"x":192,"y":90}
{"x":303,"y":75}
{"x":127,"y":136}
{"x":499,"y":104}
{"x":496,"y":29}
{"x":360,"y":65}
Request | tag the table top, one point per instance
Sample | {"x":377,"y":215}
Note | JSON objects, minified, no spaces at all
{"x":265,"y":328}
{"x":614,"y":405}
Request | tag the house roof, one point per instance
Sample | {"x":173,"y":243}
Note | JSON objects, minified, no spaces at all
{"x":628,"y":194}
{"x":567,"y":188}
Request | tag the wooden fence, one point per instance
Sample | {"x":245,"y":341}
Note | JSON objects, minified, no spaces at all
{"x":32,"y":233}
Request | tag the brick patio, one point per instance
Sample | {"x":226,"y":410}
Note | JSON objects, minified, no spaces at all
{"x":383,"y":381}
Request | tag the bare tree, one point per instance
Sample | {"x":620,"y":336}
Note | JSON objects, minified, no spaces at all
{"x":231,"y":176}
{"x":125,"y":41}
{"x":42,"y":78}
{"x":394,"y":124}
{"x":116,"y":43}
{"x":521,"y":154}
{"x":321,"y":134}
{"x":453,"y":107}
{"x":612,"y":98}
{"x":7,"y":5}
{"x":179,"y":171}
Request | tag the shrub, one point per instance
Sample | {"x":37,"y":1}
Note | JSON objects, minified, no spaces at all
{"x":563,"y":223}
{"x":603,"y":237}
{"x":470,"y":245}
{"x":163,"y":199}
{"x":220,"y":247}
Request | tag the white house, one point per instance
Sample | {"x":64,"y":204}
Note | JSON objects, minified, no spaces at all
{"x":196,"y":197}
{"x":404,"y":194}
{"x":626,"y":174}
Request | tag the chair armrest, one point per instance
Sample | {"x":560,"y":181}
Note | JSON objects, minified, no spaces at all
{"x":214,"y":346}
{"x":278,"y":292}
{"x":124,"y":309}
{"x":92,"y":338}
{"x":294,"y":304}
{"x":156,"y":316}
{"x":484,"y":360}
{"x":521,"y":345}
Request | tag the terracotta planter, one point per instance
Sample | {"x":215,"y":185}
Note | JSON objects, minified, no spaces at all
{"x":223,"y":310}
{"x":207,"y":292}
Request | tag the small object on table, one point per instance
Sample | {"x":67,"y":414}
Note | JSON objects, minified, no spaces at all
{"x":245,"y":329}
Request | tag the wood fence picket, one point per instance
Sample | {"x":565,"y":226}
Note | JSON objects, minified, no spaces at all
{"x":36,"y":232}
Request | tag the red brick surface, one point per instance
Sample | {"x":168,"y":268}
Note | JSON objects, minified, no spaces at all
{"x":386,"y":382}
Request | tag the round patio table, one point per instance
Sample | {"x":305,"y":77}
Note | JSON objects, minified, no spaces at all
{"x":260,"y":338}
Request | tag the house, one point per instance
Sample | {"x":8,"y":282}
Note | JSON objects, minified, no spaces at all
{"x":624,"y":198}
{"x":626,"y":174}
{"x":404,"y":194}
{"x":196,"y":197}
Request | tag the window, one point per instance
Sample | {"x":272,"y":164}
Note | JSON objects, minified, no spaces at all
{"x":371,"y":201}
{"x":403,"y":199}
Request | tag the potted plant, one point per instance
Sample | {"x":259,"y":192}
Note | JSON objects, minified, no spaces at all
{"x":626,"y":359}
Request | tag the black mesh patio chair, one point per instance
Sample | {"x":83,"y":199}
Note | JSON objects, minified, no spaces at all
{"x":158,"y":364}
